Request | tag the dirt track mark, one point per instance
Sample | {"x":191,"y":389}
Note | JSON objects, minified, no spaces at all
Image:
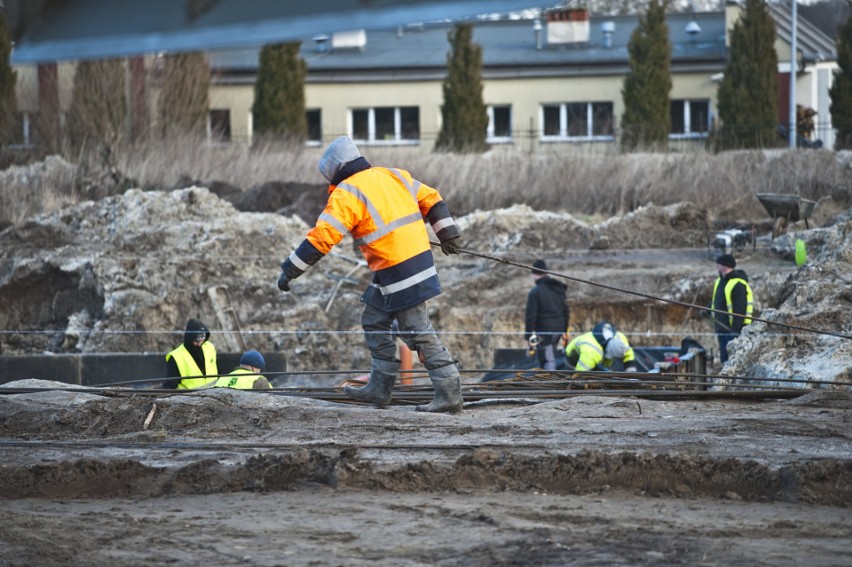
{"x":825,"y":482}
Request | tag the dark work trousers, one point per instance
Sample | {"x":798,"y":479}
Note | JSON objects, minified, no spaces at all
{"x":724,"y":339}
{"x":415,"y":330}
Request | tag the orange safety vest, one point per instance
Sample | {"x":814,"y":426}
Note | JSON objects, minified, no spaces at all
{"x":384,"y":210}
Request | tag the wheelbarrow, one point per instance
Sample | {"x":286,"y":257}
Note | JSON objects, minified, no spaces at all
{"x":785,"y":209}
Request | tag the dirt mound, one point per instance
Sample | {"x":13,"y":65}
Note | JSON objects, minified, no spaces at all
{"x":817,"y":296}
{"x":124,"y":273}
{"x":304,"y":200}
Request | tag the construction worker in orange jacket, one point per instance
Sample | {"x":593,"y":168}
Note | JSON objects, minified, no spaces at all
{"x":384,"y":210}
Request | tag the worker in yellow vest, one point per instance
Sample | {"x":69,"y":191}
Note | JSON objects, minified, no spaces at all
{"x":599,"y":349}
{"x":731,"y":296}
{"x":192,"y":364}
{"x":247,"y":376}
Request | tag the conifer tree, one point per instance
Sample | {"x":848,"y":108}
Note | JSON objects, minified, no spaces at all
{"x":8,"y":104}
{"x":841,"y":90}
{"x":646,"y":121}
{"x":184,"y":100}
{"x":98,"y":111}
{"x":465,"y":118}
{"x":748,"y":92}
{"x":279,"y":93}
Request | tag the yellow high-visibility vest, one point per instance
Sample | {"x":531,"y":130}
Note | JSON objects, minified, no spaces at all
{"x":187,"y":367}
{"x":240,"y":378}
{"x":729,"y":288}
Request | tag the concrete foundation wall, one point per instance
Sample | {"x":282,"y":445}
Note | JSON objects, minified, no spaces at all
{"x":100,"y":369}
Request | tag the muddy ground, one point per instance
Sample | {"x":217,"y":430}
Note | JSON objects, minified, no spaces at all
{"x":257,"y":478}
{"x":232,"y":478}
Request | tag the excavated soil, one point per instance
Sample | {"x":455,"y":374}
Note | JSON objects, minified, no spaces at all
{"x":257,"y":478}
{"x":230,"y":477}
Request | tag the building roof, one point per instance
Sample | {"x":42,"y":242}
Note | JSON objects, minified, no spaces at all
{"x":509,"y":49}
{"x":811,"y":42}
{"x":55,"y":30}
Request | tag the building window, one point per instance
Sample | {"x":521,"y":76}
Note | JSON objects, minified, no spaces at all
{"x":386,"y":125}
{"x":314,"y":117}
{"x":23,"y":135}
{"x":499,"y":124}
{"x":690,"y":118}
{"x":577,"y":121}
{"x":219,"y":126}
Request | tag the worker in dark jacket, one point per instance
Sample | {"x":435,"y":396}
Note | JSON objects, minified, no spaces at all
{"x":192,"y":364}
{"x":384,"y":210}
{"x":547,"y":315}
{"x":731,"y":295}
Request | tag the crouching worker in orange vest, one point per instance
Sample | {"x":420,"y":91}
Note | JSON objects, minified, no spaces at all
{"x":246,"y":376}
{"x":192,"y":364}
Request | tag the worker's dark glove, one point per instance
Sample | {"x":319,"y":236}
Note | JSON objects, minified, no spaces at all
{"x":283,"y":282}
{"x":451,"y":246}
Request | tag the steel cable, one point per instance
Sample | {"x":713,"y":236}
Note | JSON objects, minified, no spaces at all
{"x":652,"y":297}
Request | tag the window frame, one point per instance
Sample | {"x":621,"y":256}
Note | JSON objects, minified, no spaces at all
{"x":490,"y":136}
{"x":688,"y":132}
{"x":318,"y":140}
{"x":24,"y":133}
{"x":398,"y":130}
{"x":565,"y":127}
{"x":224,"y":138}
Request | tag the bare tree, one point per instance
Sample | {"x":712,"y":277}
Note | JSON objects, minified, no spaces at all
{"x":184,"y":100}
{"x":98,"y":112}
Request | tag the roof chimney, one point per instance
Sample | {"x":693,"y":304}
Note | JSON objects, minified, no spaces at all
{"x":567,"y":25}
{"x":608,"y":28}
{"x":537,"y":32}
{"x":321,"y":43}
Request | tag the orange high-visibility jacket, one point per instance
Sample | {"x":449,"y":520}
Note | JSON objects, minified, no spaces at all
{"x":384,"y":210}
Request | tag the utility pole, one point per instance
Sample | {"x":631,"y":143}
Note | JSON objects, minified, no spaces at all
{"x":791,"y":131}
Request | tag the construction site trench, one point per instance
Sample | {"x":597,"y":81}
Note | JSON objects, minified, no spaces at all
{"x":137,"y":476}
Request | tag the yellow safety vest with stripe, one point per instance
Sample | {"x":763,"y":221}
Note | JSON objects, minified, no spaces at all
{"x":589,"y":354}
{"x":240,"y":378}
{"x":384,"y":211}
{"x":729,"y":287}
{"x":187,"y":367}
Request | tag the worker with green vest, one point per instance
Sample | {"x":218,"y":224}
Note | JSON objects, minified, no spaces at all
{"x":731,"y":296}
{"x":246,"y":376}
{"x":600,"y":349}
{"x":192,"y":364}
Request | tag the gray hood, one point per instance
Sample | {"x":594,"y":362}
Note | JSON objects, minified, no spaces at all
{"x":338,"y":153}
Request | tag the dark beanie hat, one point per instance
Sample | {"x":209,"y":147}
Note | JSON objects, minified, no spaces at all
{"x":727,"y":260}
{"x":538,"y":266}
{"x":253,"y":358}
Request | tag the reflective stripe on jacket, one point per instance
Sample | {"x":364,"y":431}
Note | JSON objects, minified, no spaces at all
{"x":240,"y":378}
{"x":585,"y":353}
{"x":187,"y":367}
{"x":729,"y":288}
{"x":384,"y":210}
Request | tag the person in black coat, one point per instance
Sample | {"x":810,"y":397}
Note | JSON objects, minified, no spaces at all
{"x":731,"y":295}
{"x":193,"y":364}
{"x":547,"y":315}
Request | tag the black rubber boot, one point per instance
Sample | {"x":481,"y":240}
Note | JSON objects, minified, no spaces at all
{"x":379,"y":388}
{"x":447,"y":384}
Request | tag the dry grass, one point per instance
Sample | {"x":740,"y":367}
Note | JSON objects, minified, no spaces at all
{"x":581,"y":180}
